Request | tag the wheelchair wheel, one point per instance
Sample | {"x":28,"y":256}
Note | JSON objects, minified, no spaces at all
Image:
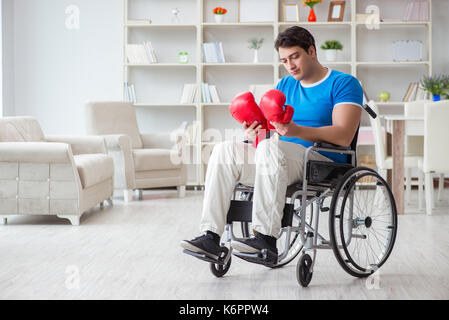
{"x":219,"y":270}
{"x":295,"y":246}
{"x":362,"y":222}
{"x":303,"y":273}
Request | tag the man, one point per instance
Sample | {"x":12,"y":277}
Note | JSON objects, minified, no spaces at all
{"x":327,"y":107}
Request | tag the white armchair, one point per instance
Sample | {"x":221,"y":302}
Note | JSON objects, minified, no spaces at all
{"x":384,"y":162}
{"x":141,"y":161}
{"x":61,"y":175}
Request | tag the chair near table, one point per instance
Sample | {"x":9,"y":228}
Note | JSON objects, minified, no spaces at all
{"x":384,"y":162}
{"x":436,"y":152}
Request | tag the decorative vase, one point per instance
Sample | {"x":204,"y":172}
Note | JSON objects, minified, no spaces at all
{"x":312,"y":16}
{"x":218,"y":18}
{"x":331,"y":55}
{"x":256,"y":56}
{"x":436,"y":97}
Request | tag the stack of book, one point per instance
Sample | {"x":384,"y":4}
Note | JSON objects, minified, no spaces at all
{"x":213,"y":52}
{"x":416,"y":11}
{"x":415,"y":92}
{"x":189,"y":93}
{"x":130,"y":92}
{"x":209,"y":93}
{"x":141,"y":53}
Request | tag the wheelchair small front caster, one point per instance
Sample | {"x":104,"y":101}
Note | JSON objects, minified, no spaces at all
{"x":219,"y":270}
{"x":303,"y":273}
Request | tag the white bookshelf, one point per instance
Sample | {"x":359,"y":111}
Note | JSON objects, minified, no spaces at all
{"x":198,"y":27}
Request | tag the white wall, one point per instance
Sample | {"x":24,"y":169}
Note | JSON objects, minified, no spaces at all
{"x":440,"y":36}
{"x":56,"y":70}
{"x":7,"y":58}
{"x":49,"y":71}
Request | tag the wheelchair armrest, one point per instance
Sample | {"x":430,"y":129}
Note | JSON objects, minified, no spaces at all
{"x":328,"y":145}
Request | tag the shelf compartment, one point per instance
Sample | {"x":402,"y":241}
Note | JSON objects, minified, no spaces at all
{"x":235,"y":42}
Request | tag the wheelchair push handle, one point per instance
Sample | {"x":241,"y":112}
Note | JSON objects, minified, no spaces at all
{"x":370,"y":111}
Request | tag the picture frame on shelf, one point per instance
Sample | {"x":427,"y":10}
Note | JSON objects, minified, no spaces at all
{"x":336,"y":11}
{"x":256,"y":11}
{"x":290,"y":12}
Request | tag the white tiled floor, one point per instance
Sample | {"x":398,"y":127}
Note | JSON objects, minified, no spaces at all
{"x":133,"y":252}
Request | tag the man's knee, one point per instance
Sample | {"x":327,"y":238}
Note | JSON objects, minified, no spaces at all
{"x":222,"y":151}
{"x":268,"y":150}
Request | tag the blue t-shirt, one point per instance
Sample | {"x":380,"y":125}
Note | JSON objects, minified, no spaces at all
{"x":314,"y":103}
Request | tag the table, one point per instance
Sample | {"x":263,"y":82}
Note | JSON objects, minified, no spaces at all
{"x":396,"y":124}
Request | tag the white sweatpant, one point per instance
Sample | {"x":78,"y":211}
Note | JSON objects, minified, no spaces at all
{"x":270,"y":168}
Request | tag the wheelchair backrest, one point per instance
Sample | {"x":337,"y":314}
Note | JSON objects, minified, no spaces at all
{"x":372,"y":114}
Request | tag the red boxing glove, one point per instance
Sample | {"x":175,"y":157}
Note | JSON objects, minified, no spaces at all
{"x":244,"y":108}
{"x":274,"y":108}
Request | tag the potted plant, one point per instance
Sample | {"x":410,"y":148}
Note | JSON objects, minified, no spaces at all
{"x":255,"y":44}
{"x":331,"y":47}
{"x":436,"y":85}
{"x":311,"y":3}
{"x":219,"y":12}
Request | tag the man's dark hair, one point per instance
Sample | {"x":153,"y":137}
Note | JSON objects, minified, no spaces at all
{"x":295,"y":36}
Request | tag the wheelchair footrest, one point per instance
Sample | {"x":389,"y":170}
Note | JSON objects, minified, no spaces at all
{"x":263,"y":257}
{"x":206,"y":258}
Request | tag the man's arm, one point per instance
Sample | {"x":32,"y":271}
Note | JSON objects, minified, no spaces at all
{"x":345,"y":120}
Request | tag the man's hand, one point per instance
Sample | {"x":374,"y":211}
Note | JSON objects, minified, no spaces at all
{"x":286,"y":129}
{"x":251,"y":131}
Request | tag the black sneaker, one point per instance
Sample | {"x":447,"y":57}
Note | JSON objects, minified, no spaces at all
{"x":205,"y":243}
{"x":256,"y":244}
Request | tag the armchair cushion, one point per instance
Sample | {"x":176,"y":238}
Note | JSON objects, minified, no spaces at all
{"x":94,"y":168}
{"x":155,"y":159}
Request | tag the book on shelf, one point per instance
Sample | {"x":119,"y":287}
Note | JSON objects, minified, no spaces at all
{"x":141,"y":53}
{"x":422,"y":94}
{"x":415,"y":92}
{"x":213,"y":52}
{"x":209,"y":93}
{"x":189,"y":93}
{"x":408,"y":93}
{"x":214,"y":94}
{"x":130,"y":92}
{"x":416,"y":11}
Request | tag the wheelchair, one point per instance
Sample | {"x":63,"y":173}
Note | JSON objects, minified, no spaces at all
{"x":362,"y":223}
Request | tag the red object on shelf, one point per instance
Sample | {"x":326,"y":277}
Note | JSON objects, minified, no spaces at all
{"x":312,"y":16}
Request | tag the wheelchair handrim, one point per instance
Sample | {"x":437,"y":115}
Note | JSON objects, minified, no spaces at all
{"x":348,"y":263}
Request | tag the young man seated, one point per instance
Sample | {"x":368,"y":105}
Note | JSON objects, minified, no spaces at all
{"x":327,"y":107}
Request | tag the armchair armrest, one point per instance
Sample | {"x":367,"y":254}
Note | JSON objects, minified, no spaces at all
{"x":118,"y":142}
{"x":82,"y":144}
{"x":35,"y":152}
{"x":120,"y":148}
